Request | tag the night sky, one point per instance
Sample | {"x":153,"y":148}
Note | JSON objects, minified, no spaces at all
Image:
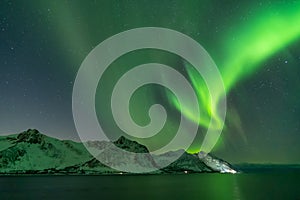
{"x":255,"y":44}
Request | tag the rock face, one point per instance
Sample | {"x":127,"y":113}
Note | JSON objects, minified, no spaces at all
{"x":187,"y":163}
{"x":30,"y":136}
{"x":131,"y":146}
{"x":34,"y":153}
{"x":216,"y":164}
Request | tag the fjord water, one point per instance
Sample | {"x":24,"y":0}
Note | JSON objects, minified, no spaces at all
{"x":283,"y":185}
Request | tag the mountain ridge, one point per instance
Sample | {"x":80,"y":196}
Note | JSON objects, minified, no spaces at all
{"x":32,"y":152}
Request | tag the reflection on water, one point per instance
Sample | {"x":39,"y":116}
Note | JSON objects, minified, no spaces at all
{"x":283,"y":185}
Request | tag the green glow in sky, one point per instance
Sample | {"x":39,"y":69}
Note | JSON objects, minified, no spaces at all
{"x":246,"y":38}
{"x":257,"y":40}
{"x":247,"y":46}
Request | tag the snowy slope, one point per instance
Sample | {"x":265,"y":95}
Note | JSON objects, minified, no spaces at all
{"x":33,"y":152}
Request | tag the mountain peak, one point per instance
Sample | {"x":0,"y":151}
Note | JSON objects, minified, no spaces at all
{"x":131,"y":146}
{"x":31,"y":136}
{"x":121,"y":139}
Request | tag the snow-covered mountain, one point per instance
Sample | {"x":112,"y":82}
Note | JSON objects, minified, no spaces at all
{"x":32,"y":152}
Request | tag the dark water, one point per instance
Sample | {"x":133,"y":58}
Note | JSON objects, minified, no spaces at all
{"x":283,"y":185}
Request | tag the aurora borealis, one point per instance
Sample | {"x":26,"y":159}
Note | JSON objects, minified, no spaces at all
{"x":268,"y":32}
{"x":254,"y":44}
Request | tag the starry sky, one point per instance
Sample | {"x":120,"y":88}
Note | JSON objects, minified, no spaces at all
{"x":255,"y":44}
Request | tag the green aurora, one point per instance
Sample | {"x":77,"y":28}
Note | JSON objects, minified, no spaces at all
{"x":245,"y":46}
{"x":253,"y":43}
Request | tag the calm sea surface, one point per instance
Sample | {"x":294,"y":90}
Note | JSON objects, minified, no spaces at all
{"x":275,"y":185}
